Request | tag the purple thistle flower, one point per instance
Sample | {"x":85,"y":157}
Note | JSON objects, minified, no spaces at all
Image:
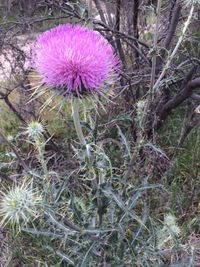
{"x":76,"y":59}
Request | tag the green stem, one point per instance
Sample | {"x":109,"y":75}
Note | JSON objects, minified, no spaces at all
{"x":76,"y":119}
{"x":40,"y":147}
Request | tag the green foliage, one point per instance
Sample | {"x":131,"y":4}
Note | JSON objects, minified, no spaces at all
{"x":91,"y":215}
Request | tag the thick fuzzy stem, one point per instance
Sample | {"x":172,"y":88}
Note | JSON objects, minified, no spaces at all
{"x":76,"y":118}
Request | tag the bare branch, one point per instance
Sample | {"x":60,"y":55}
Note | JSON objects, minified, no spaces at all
{"x":100,"y":10}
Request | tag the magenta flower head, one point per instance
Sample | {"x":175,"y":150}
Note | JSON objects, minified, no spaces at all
{"x":75,"y":60}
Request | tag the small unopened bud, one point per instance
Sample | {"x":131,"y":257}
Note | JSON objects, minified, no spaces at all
{"x":19,"y":205}
{"x":34,"y":130}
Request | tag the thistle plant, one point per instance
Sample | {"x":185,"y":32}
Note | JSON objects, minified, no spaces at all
{"x":19,"y":205}
{"x":76,"y":61}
